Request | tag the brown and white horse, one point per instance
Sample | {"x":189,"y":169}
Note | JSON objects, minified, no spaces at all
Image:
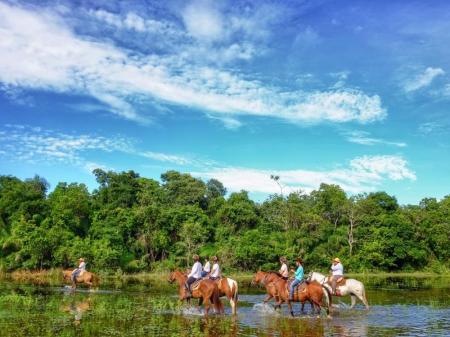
{"x":229,"y":288}
{"x":206,"y":291}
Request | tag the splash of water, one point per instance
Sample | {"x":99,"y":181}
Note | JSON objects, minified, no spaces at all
{"x":192,"y":311}
{"x":265,"y":309}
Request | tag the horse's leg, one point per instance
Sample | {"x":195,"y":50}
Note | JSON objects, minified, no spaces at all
{"x":206,"y":301}
{"x":290,"y":308}
{"x":268,"y":298}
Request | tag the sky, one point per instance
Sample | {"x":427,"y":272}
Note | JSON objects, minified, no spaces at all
{"x":354,"y":93}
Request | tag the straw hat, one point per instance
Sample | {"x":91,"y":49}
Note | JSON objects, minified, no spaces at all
{"x":81,"y":259}
{"x":214,"y":258}
{"x":336,"y":259}
{"x":196,"y":257}
{"x":283,"y":259}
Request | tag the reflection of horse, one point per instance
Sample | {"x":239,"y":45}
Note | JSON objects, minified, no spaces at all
{"x":229,"y":288}
{"x":88,"y":278}
{"x":278,"y":288}
{"x":205,"y":290}
{"x":77,"y":309}
{"x":352,"y":287}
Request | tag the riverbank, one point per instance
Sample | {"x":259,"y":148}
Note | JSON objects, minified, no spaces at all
{"x":53,"y":277}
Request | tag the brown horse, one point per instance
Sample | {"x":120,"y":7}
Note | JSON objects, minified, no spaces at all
{"x":88,"y":278}
{"x":229,"y":288}
{"x":278,"y":289}
{"x":206,"y":291}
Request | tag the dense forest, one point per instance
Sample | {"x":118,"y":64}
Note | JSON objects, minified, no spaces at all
{"x":135,"y":224}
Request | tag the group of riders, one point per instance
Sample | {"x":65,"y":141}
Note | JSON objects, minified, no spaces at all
{"x":199,"y":271}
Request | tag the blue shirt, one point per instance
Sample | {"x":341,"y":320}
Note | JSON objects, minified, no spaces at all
{"x":299,"y":273}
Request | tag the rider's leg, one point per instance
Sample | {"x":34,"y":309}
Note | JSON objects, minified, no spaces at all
{"x":189,"y":281}
{"x":333,"y":284}
{"x":292,"y":289}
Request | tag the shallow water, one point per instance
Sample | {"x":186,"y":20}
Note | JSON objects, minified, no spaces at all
{"x":56,"y":311}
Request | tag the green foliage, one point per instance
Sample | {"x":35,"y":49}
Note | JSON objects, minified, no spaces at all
{"x":131,"y":224}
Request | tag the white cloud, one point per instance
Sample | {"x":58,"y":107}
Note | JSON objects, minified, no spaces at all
{"x":363,"y":174}
{"x":422,"y":80}
{"x":33,"y":144}
{"x":203,"y":20}
{"x":364,"y":138}
{"x":53,"y":58}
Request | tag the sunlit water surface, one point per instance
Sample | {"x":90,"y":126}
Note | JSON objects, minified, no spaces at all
{"x":51,"y":311}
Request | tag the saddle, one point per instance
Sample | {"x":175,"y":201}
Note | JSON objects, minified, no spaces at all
{"x":298,"y":288}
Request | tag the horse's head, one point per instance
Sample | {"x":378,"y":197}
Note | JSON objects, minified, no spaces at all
{"x":176,"y":275}
{"x":67,"y":274}
{"x":309,"y":276}
{"x":258,"y":277}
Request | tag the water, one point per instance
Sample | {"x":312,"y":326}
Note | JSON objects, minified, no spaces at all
{"x":27,"y":310}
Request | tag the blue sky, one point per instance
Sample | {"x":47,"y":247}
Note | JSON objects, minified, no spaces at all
{"x":354,"y":93}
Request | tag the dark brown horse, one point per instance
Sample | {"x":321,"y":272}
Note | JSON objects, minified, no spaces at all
{"x":88,"y":278}
{"x":278,"y":289}
{"x":206,"y":291}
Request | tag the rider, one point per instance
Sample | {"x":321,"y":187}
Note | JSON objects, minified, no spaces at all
{"x":206,"y":267}
{"x":284,"y":271}
{"x":337,"y":270}
{"x":78,"y":271}
{"x":215,"y":273}
{"x":194,"y":275}
{"x":298,"y":277}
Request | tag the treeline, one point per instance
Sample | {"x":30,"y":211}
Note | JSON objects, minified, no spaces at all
{"x":136,"y":224}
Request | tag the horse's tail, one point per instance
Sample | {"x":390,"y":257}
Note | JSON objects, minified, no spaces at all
{"x":328,"y":298}
{"x":364,"y":298}
{"x":216,"y":300}
{"x":95,"y":280}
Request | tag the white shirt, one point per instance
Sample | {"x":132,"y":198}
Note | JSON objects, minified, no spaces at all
{"x":284,"y":270}
{"x":215,"y":270}
{"x":207,"y":267}
{"x":337,"y":269}
{"x":196,"y":270}
{"x":82,"y":266}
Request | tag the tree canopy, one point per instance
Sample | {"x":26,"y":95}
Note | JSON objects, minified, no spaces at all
{"x":135,"y":223}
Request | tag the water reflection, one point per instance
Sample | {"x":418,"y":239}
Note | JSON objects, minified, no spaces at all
{"x":77,"y":308}
{"x":52,"y":311}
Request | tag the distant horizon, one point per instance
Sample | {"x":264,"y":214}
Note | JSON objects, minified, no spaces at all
{"x":355,"y":94}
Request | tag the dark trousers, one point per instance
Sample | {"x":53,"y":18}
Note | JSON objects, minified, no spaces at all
{"x":189,"y":282}
{"x":204,"y":273}
{"x":75,"y":273}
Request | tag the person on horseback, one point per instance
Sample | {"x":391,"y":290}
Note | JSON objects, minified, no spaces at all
{"x":206,"y":267}
{"x":284,"y":271}
{"x":298,"y":277}
{"x":194,"y":275}
{"x":215,"y":273}
{"x":78,"y":271}
{"x":337,"y":271}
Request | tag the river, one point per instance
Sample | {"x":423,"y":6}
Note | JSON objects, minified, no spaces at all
{"x":398,"y":307}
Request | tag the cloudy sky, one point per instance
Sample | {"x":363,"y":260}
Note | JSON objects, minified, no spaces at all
{"x":354,"y":93}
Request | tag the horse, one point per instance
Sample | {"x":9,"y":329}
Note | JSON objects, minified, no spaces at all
{"x":86,"y":277}
{"x":229,"y":288}
{"x":352,"y":287}
{"x":206,"y":291}
{"x":277,"y":288}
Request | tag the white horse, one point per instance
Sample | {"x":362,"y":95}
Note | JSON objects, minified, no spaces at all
{"x":352,"y":287}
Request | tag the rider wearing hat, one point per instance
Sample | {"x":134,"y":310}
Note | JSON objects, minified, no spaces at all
{"x":206,"y":267}
{"x":78,"y":271}
{"x":337,"y":270}
{"x":284,"y":271}
{"x":195,"y":274}
{"x":215,"y":272}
